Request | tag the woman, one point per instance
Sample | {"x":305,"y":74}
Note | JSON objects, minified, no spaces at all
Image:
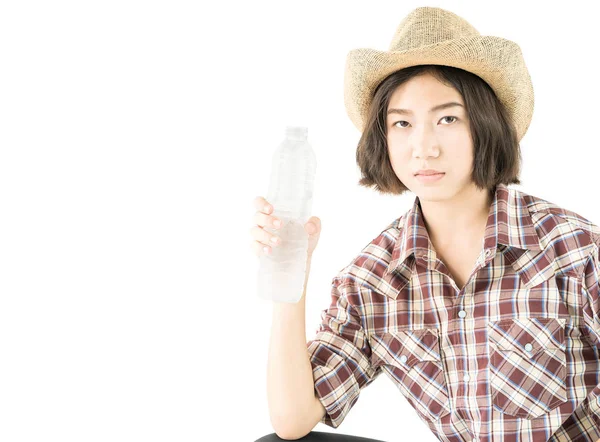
{"x":481,"y":302}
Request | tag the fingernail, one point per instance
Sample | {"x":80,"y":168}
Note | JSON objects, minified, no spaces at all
{"x":267,"y":209}
{"x":277,"y":223}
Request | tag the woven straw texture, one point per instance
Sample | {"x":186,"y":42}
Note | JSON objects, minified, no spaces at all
{"x":431,"y":35}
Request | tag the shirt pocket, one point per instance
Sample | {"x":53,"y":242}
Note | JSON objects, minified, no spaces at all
{"x":412,"y":358}
{"x":527,"y":365}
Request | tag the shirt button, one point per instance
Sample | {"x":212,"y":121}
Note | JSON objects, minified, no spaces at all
{"x":466,"y":378}
{"x":488,"y":252}
{"x":528,"y":347}
{"x":462,"y":313}
{"x":403,"y":358}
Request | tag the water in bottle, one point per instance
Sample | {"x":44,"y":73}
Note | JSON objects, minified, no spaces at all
{"x":282,"y":272}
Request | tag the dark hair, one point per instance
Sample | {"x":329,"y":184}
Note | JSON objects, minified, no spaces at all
{"x":497,"y":154}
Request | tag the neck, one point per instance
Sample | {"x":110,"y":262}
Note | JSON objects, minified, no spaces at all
{"x":462,"y":217}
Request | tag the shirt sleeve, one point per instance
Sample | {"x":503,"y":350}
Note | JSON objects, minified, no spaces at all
{"x":584,"y":423}
{"x":586,"y":418}
{"x":340,"y":356}
{"x":591,"y":315}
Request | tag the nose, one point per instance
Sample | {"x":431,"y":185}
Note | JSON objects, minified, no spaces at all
{"x":424,"y":143}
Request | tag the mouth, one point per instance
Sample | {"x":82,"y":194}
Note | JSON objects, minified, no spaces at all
{"x":429,"y":177}
{"x":428,"y":172}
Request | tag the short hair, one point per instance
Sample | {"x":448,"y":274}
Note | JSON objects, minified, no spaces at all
{"x":497,"y":154}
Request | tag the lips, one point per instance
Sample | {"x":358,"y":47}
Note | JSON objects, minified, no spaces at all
{"x":428,"y":172}
{"x":429,"y":177}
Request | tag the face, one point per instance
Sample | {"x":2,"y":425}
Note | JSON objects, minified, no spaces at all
{"x":422,"y":138}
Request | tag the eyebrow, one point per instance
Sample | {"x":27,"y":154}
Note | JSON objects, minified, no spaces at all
{"x":433,"y":109}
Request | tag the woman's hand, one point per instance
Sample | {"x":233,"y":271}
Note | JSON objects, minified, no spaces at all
{"x":261,"y":239}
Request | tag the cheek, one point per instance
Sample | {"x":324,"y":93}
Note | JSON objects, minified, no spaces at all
{"x":400,"y":159}
{"x":398,"y":151}
{"x":395,"y":156}
{"x":462,"y":161}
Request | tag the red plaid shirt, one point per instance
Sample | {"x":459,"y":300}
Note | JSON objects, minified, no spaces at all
{"x":511,"y":356}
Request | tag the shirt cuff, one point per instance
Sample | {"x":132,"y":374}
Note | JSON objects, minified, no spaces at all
{"x":338,"y":390}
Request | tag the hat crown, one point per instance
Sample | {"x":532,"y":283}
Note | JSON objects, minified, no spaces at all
{"x":427,"y":26}
{"x":435,"y":36}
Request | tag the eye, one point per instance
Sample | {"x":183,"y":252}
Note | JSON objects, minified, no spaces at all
{"x":447,"y":116}
{"x":450,"y":116}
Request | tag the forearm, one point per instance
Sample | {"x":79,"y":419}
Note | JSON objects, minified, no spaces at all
{"x":290,"y":385}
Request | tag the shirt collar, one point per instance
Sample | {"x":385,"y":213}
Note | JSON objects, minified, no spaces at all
{"x":509,"y":228}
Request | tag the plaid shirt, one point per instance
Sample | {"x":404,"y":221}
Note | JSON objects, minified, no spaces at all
{"x":512,"y":356}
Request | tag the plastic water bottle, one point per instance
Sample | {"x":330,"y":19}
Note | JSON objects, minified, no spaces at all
{"x":282,"y":272}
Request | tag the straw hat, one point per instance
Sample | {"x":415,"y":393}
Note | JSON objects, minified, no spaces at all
{"x":431,"y":35}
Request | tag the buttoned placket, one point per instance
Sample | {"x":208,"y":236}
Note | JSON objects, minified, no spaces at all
{"x":462,"y":314}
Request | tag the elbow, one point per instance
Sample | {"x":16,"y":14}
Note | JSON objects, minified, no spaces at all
{"x":286,"y":429}
{"x":290,"y":436}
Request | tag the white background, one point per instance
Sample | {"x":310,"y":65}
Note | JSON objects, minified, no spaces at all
{"x":134,"y":138}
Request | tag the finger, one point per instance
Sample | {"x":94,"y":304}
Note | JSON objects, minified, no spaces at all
{"x":310,"y":228}
{"x":264,"y":237}
{"x":263,"y":220}
{"x":262,"y":205}
{"x":259,"y":249}
{"x":313,"y":225}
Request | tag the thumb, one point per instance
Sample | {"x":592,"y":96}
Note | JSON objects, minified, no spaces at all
{"x":313,"y":225}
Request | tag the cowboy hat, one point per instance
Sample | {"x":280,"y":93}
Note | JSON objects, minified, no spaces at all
{"x":431,"y":35}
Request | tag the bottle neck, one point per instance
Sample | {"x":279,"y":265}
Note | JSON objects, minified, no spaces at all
{"x":297,"y":133}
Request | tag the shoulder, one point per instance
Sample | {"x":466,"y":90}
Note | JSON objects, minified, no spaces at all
{"x":568,"y":239}
{"x":369,"y":265}
{"x":548,"y":216}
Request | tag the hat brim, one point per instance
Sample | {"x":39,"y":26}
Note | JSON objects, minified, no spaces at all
{"x":498,"y":61}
